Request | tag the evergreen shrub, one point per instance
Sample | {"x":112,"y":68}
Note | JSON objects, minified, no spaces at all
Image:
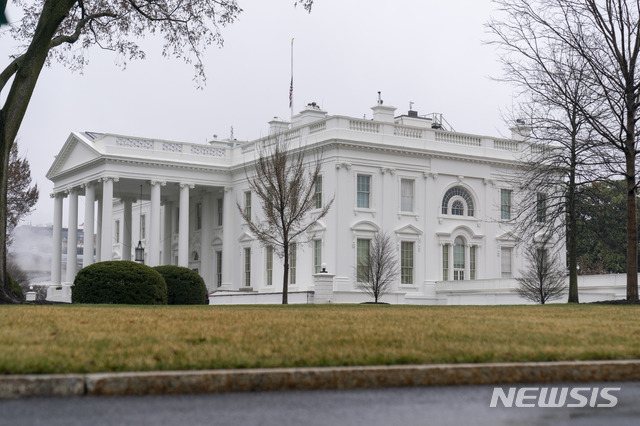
{"x":184,"y":286}
{"x":15,"y":287}
{"x":119,"y":282}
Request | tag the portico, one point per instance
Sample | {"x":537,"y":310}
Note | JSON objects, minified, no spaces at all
{"x":155,"y":197}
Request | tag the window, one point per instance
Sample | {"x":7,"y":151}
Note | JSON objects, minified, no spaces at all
{"x":269,"y":265}
{"x":363,"y":250}
{"x":317,"y":256}
{"x":219,"y":268}
{"x":199,"y":216}
{"x":459,"y":260}
{"x":406,"y":195}
{"x":505,"y":261}
{"x":462,"y":201}
{"x":247,"y":267}
{"x":292,"y":263}
{"x":445,"y":262}
{"x":541,"y":207}
{"x":143,"y":227}
{"x":220,"y":206}
{"x":117,"y":230}
{"x":505,"y":204}
{"x":247,"y":204}
{"x":406,"y":262}
{"x":457,"y":208}
{"x":472,"y":263}
{"x":319,"y":192}
{"x":364,"y":191}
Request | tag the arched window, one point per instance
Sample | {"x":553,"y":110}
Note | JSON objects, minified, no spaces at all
{"x":457,"y":201}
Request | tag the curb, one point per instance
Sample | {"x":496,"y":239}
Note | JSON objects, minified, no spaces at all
{"x":312,"y":378}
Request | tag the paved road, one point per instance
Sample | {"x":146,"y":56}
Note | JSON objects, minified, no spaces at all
{"x":455,"y":405}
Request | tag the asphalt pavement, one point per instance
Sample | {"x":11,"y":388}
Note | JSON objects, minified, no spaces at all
{"x":436,"y":405}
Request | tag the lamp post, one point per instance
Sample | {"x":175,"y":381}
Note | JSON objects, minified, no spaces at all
{"x":140,"y":249}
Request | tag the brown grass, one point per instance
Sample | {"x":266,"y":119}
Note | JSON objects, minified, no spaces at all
{"x":63,"y":339}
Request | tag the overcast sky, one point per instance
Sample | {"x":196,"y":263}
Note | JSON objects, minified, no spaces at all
{"x":422,"y":51}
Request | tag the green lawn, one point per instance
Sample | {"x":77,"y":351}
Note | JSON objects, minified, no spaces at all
{"x":64,"y":339}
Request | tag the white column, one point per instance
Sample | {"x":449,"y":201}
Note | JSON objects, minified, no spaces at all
{"x":467,"y":261}
{"x":451,"y":249}
{"x":107,"y":218}
{"x":56,"y":252}
{"x":168,"y":233}
{"x":183,"y":226}
{"x":89,"y":217}
{"x":72,"y":236}
{"x":228,"y":259}
{"x":99,"y":232}
{"x":153,"y":239}
{"x":127,"y":231}
{"x":206,"y":258}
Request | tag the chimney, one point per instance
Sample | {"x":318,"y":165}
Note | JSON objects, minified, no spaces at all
{"x":521,"y":131}
{"x":278,"y":125}
{"x":312,"y":112}
{"x":383,"y":113}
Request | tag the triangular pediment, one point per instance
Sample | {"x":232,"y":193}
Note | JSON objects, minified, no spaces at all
{"x":246,"y":237}
{"x":507,"y":236}
{"x":75,"y":152}
{"x":408,"y":230}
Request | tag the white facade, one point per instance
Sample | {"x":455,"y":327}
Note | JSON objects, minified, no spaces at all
{"x":443,"y":197}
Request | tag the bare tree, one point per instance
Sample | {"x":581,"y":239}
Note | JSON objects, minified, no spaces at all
{"x":63,"y":30}
{"x":564,"y":154}
{"x":377,"y":268}
{"x":21,"y":196}
{"x":544,"y":279}
{"x":284,"y":181}
{"x":603,"y":35}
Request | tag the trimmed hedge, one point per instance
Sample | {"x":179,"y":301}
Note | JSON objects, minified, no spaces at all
{"x":15,"y":287}
{"x":184,"y":286}
{"x":119,"y":282}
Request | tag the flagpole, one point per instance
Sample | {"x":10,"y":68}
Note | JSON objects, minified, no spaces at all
{"x":291,"y":85}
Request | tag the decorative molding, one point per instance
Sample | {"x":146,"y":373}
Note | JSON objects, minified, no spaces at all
{"x":106,"y":178}
{"x":344,"y":164}
{"x":390,"y":170}
{"x":185,"y":184}
{"x":158,"y":182}
{"x":460,"y":178}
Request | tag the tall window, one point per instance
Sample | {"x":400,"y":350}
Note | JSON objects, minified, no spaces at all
{"x":406,"y":195}
{"x":247,"y":267}
{"x":117,"y":230}
{"x":364,"y":191}
{"x":247,"y":203}
{"x":472,"y":263}
{"x":445,"y":262}
{"x":505,"y":261}
{"x":199,"y":216}
{"x":220,"y":206}
{"x":269,"y":265}
{"x":505,"y":204}
{"x":317,"y":256}
{"x":219,"y":268}
{"x":406,"y":262}
{"x":459,"y":260}
{"x":462,"y":201}
{"x":319,"y":192}
{"x":541,"y":207}
{"x":362,"y":259}
{"x":292,"y":263}
{"x":143,"y":227}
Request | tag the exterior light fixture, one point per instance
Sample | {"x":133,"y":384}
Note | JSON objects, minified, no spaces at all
{"x":323,"y":267}
{"x":140,"y":249}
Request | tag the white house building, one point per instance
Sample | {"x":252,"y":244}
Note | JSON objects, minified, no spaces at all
{"x":445,"y":198}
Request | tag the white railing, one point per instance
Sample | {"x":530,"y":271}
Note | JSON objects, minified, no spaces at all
{"x":169,"y":147}
{"x":408,"y":132}
{"x":364,"y":126}
{"x":505,"y":145}
{"x":458,"y":139}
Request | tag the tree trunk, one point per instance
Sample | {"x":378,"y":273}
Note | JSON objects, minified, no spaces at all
{"x":285,"y":276}
{"x":572,"y":239}
{"x":12,"y":112}
{"x":632,"y":230}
